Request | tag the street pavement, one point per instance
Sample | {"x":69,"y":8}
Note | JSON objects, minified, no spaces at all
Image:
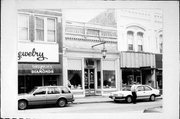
{"x":100,"y":104}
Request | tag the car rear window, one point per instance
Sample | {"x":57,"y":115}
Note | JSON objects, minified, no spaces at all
{"x":65,"y":90}
{"x":147,"y":88}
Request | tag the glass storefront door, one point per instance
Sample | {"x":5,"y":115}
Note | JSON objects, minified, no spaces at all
{"x":89,"y":82}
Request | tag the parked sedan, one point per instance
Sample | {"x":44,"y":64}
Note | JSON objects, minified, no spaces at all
{"x":143,"y":92}
{"x":43,"y":95}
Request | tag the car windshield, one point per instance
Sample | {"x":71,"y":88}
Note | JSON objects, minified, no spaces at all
{"x":32,"y":90}
{"x":127,"y":88}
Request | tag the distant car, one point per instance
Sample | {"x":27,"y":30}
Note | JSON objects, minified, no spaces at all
{"x":143,"y":92}
{"x":43,"y":95}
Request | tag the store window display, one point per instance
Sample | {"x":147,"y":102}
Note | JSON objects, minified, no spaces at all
{"x":75,"y":79}
{"x":109,"y":80}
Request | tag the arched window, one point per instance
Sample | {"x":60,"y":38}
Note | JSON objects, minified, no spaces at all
{"x":161,"y":43}
{"x":130,"y":38}
{"x":140,"y":41}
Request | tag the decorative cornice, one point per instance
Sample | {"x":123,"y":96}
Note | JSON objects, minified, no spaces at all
{"x":91,"y":40}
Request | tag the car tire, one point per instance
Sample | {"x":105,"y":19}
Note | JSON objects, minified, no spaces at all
{"x":129,"y":99}
{"x":61,"y":102}
{"x":22,"y":104}
{"x":152,"y":98}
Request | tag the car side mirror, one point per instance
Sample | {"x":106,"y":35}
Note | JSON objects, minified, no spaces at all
{"x":34,"y":94}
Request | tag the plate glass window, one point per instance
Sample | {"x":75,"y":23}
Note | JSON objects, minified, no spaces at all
{"x":75,"y":79}
{"x":109,"y":79}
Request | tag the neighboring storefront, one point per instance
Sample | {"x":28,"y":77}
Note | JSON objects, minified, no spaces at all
{"x":39,"y":48}
{"x":138,"y":67}
{"x":38,"y":66}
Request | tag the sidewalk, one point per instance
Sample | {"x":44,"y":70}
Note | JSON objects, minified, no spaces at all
{"x":92,"y":99}
{"x":95,"y":99}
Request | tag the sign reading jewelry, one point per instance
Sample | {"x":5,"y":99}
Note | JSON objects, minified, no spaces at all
{"x":38,"y":52}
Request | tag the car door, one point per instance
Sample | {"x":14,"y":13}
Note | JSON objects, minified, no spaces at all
{"x":140,"y":92}
{"x":148,"y":91}
{"x":38,"y":97}
{"x":53,"y":95}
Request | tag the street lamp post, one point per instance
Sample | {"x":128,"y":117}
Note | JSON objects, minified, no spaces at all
{"x":104,"y":51}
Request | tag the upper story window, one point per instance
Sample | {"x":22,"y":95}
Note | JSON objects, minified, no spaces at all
{"x":51,"y":30}
{"x":130,"y":38}
{"x":140,"y":41}
{"x":93,"y":32}
{"x":23,"y":27}
{"x":39,"y":29}
{"x":161,"y":43}
{"x":135,"y":38}
{"x":45,"y":29}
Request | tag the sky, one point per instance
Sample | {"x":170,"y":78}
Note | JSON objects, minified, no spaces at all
{"x":81,"y":15}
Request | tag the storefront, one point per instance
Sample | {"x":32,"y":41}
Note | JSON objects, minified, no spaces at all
{"x":31,"y":75}
{"x":38,"y":66}
{"x":87,"y":73}
{"x":138,"y":68}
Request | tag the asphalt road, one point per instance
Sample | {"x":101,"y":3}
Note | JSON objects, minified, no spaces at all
{"x":104,"y":107}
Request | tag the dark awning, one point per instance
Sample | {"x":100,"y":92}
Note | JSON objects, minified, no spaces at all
{"x":39,"y":69}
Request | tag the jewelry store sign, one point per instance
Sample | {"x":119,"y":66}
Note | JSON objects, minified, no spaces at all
{"x":38,"y":52}
{"x":42,"y":69}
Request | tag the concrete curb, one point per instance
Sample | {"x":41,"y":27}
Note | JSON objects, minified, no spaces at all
{"x":90,"y":102}
{"x":87,"y":100}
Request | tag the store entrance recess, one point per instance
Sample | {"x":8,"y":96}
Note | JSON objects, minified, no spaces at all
{"x":89,"y":82}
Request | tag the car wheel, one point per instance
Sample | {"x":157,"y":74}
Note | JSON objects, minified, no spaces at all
{"x":22,"y":105}
{"x":152,"y":98}
{"x":61,"y":102}
{"x":129,"y":99}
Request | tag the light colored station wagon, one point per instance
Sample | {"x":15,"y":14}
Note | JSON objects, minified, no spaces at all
{"x":143,"y":92}
{"x":43,"y":95}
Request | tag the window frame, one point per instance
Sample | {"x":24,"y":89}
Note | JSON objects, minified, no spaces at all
{"x":130,"y":40}
{"x":115,"y":80}
{"x":140,"y":87}
{"x":45,"y":18}
{"x":140,"y":40}
{"x":54,"y":89}
{"x":148,"y":88}
{"x":41,"y":88}
{"x":28,"y":15}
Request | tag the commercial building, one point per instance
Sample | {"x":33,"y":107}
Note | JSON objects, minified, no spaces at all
{"x":39,"y":48}
{"x":90,"y":59}
{"x":140,"y":41}
{"x":131,"y":40}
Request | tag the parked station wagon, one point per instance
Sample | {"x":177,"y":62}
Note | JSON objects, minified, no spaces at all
{"x":43,"y":95}
{"x":143,"y":92}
